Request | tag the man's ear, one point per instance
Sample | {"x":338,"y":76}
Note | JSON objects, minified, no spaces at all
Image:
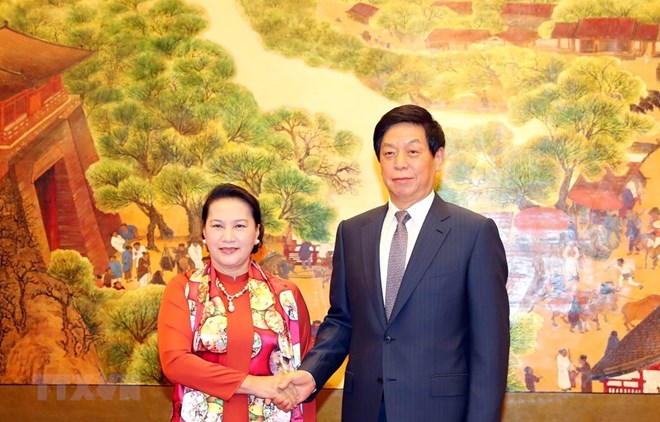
{"x":439,"y":158}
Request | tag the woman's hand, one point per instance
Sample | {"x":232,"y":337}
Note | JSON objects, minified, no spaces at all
{"x":268,"y":387}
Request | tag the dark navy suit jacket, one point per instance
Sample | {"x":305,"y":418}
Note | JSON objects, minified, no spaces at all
{"x":443,"y":355}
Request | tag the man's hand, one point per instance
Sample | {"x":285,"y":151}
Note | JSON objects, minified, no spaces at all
{"x":301,"y":382}
{"x":268,"y":387}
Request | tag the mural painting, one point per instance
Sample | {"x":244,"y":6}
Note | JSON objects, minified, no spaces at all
{"x":118,"y":116}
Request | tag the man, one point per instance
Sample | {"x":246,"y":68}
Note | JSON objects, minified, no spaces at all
{"x":305,"y":254}
{"x":626,"y":273}
{"x":118,"y":242}
{"x":652,"y":250}
{"x":564,"y":370}
{"x":531,"y":379}
{"x":127,"y":263}
{"x":442,"y":352}
{"x":128,"y":231}
{"x":116,"y":268}
{"x":138,"y":252}
{"x":612,"y":343}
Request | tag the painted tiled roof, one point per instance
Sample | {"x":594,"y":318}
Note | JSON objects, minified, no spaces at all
{"x":26,"y":61}
{"x":609,"y":181}
{"x":646,"y":32}
{"x":363,"y":9}
{"x":639,"y":349}
{"x":606,"y":28}
{"x":564,"y":30}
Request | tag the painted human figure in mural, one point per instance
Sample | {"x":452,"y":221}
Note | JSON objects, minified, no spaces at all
{"x":157,"y":278}
{"x":612,"y":342}
{"x":629,"y":198}
{"x":127,"y":263}
{"x":612,"y":224}
{"x":138,"y":252}
{"x":227,"y":330}
{"x":633,"y":229}
{"x":183,"y":261}
{"x":563,"y":370}
{"x":128,"y":231}
{"x":168,"y":259}
{"x":108,"y":276}
{"x":117,"y":242}
{"x":584,"y":368}
{"x":575,"y":315}
{"x":531,"y":379}
{"x":284,"y":267}
{"x":305,"y":254}
{"x":144,"y":270}
{"x":652,"y":250}
{"x":626,"y":270}
{"x":654,"y":217}
{"x":116,"y":268}
{"x":196,"y":254}
{"x":454,"y":278}
{"x":571,"y":256}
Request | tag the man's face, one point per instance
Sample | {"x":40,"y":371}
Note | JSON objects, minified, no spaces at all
{"x":406,"y":164}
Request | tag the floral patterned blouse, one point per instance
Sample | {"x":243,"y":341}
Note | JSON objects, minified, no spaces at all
{"x":207,"y":352}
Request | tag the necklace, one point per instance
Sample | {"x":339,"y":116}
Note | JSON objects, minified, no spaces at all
{"x":230,"y":298}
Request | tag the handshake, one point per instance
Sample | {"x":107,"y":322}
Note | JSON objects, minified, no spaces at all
{"x":286,"y":390}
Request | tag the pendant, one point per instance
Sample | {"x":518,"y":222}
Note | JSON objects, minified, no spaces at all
{"x":230,"y":306}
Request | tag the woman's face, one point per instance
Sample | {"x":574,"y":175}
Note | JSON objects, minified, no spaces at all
{"x":231,"y":233}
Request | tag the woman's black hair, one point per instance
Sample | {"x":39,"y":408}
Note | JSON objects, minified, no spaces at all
{"x":228,"y":190}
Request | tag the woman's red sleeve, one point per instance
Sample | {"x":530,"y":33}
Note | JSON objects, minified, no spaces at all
{"x":180,"y":365}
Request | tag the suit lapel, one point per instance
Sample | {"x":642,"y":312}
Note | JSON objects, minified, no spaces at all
{"x":371,"y":253}
{"x":431,"y":236}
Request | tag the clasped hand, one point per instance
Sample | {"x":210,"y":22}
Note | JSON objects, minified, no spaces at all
{"x":299,"y":384}
{"x":286,"y":391}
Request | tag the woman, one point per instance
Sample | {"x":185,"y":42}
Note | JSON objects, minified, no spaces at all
{"x":246,"y":324}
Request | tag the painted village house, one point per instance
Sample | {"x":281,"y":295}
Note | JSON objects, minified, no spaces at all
{"x":633,"y":367}
{"x":46,"y":146}
{"x":624,"y":37}
{"x":522,"y":20}
{"x":562,"y":37}
{"x":362,"y":12}
{"x":462,"y":39}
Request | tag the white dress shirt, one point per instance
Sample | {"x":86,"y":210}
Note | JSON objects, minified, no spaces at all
{"x":417,"y":214}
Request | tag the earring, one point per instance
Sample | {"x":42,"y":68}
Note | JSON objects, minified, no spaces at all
{"x":204,"y":241}
{"x":256,"y":242}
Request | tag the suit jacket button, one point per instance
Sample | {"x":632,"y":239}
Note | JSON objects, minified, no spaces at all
{"x":379,"y":380}
{"x":388,"y":339}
